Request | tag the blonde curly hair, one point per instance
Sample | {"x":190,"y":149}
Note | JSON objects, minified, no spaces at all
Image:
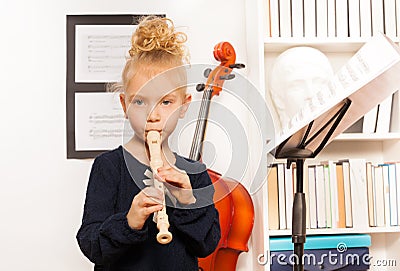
{"x":156,"y":46}
{"x":157,"y":35}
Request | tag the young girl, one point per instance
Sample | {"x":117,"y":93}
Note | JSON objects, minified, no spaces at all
{"x":118,"y":231}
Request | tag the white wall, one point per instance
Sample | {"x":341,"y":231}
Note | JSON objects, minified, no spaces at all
{"x":42,"y":193}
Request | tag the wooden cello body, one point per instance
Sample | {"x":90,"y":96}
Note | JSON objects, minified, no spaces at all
{"x":236,"y":213}
{"x":231,"y":199}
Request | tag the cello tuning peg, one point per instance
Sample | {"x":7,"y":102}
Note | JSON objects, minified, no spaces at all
{"x":237,"y":66}
{"x":227,"y":77}
{"x":207,"y":72}
{"x":200,"y":87}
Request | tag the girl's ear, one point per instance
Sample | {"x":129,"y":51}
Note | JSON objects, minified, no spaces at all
{"x":185,"y":105}
{"x":122,"y":101}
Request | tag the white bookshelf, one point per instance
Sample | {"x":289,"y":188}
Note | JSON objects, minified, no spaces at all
{"x":368,"y":137}
{"x":325,"y":44}
{"x":374,"y":147}
{"x":394,"y":229}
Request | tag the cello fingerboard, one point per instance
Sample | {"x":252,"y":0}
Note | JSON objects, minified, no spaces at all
{"x":201,"y":124}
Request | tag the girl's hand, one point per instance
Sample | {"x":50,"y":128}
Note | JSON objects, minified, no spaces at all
{"x":146,"y":202}
{"x":177,"y":182}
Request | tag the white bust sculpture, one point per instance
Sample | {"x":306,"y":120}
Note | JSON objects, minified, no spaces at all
{"x":296,"y":77}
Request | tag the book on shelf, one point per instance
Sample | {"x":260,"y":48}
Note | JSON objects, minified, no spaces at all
{"x":386,"y":193}
{"x":365,"y":80}
{"x":377,"y":17}
{"x":273,"y":207}
{"x":309,"y":19}
{"x":347,"y":193}
{"x":274,"y":18}
{"x":321,"y":18}
{"x":320,"y":196}
{"x":331,"y":18}
{"x":354,"y":19}
{"x":289,"y":195}
{"x":312,"y":196}
{"x":397,"y":170}
{"x":281,"y":196}
{"x":328,"y":197}
{"x":379,"y":196}
{"x":395,"y":116}
{"x":359,"y":194}
{"x":397,"y":16}
{"x":383,"y":115}
{"x":266,"y":18}
{"x":285,"y":20}
{"x":365,"y":18}
{"x":342,"y":22}
{"x":297,"y":19}
{"x":369,"y":121}
{"x":306,"y":190}
{"x":393,"y":200}
{"x":341,"y":219}
{"x":371,"y":195}
{"x":389,"y":15}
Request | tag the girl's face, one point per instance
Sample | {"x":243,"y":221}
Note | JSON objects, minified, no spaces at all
{"x":154,"y":103}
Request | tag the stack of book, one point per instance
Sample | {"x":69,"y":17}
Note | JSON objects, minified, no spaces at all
{"x":348,"y":193}
{"x":331,"y":18}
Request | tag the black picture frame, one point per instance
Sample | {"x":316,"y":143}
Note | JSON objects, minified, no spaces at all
{"x":73,"y":87}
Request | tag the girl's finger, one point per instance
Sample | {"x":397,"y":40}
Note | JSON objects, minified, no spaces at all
{"x":152,"y":192}
{"x":150,"y":201}
{"x":174,"y":183}
{"x":158,"y":177}
{"x":149,"y":210}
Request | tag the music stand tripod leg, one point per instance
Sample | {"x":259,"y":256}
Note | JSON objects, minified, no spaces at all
{"x":299,"y":217}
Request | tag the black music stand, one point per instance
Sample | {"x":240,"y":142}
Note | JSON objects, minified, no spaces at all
{"x":319,"y":137}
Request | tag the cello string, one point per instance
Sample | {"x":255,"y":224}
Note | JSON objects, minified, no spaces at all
{"x":195,"y":147}
{"x":200,"y":124}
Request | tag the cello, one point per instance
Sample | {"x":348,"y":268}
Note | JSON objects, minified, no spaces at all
{"x":231,"y":199}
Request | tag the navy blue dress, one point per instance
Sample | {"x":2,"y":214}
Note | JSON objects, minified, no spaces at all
{"x":105,"y":237}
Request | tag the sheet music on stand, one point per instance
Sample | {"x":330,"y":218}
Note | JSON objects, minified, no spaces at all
{"x":364,"y":81}
{"x":367,"y":78}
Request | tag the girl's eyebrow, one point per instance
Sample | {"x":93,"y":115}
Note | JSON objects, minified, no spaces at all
{"x":135,"y":96}
{"x":170,"y":95}
{"x":143,"y":97}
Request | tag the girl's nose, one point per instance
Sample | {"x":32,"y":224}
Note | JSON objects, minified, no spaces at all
{"x":154,"y":114}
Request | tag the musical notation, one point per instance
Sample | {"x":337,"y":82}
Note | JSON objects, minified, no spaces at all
{"x":99,"y":121}
{"x":101,"y":51}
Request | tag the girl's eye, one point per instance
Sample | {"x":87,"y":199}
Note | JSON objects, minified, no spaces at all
{"x":138,"y":102}
{"x":166,"y":102}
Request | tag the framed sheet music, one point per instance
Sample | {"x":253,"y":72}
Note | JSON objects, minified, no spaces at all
{"x":97,"y":47}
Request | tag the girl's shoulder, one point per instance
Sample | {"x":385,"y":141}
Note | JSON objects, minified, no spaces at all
{"x":189,"y":165}
{"x":115,"y":157}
